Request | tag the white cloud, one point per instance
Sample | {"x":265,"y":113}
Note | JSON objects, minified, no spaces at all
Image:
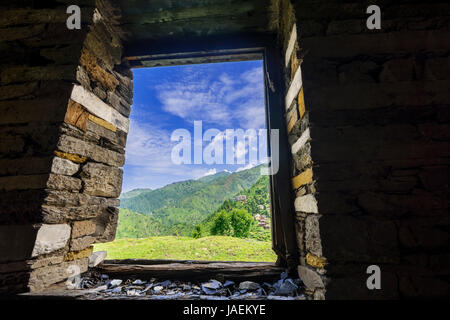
{"x":210,"y":172}
{"x":228,"y":100}
{"x":225,"y":101}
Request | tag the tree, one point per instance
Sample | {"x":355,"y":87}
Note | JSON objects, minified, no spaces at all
{"x":221,"y":224}
{"x":241,"y":222}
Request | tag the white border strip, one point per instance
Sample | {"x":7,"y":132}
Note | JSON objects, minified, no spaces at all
{"x":301,"y":141}
{"x":291,"y":44}
{"x":98,"y":108}
{"x":294,"y":88}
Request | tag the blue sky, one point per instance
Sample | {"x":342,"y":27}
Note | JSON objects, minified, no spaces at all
{"x":221,"y":95}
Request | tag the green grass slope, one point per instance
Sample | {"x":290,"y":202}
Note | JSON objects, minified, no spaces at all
{"x":214,"y":248}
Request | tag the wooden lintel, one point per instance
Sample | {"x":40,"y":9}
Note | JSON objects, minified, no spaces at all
{"x":173,"y":61}
{"x":205,"y":45}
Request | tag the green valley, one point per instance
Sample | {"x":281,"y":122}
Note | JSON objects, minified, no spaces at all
{"x":225,"y":216}
{"x":177,"y":208}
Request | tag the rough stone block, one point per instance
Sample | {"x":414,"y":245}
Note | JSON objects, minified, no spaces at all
{"x":51,"y":238}
{"x":125,"y":88}
{"x":62,"y":206}
{"x":25,"y":166}
{"x":100,"y":109}
{"x":12,"y":144}
{"x":307,"y":203}
{"x":83,"y":78}
{"x":21,"y":32}
{"x":24,"y":182}
{"x":62,"y":182}
{"x":81,"y":243}
{"x":82,"y":228}
{"x":96,"y":258}
{"x":303,"y":159}
{"x":98,"y":41}
{"x":119,"y":104}
{"x":64,"y":166}
{"x":106,"y":79}
{"x":60,"y":55}
{"x":43,"y":277}
{"x":17,"y":91}
{"x":76,"y":146}
{"x":42,"y":73}
{"x":116,"y":139}
{"x":101,"y":180}
{"x":99,"y":92}
{"x":106,"y":225}
{"x":311,"y":279}
{"x":312,"y":235}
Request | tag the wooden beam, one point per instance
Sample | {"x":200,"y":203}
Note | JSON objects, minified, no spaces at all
{"x":195,"y":58}
{"x":169,"y":261}
{"x":183,"y":14}
{"x":194,"y":270}
{"x":192,"y":46}
{"x":283,"y":214}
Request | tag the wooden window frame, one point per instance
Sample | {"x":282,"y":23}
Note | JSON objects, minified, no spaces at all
{"x":232,"y":49}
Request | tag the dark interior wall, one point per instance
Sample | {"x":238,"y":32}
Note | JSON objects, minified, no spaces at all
{"x":375,"y":155}
{"x":65,"y":101}
{"x":378,"y":108}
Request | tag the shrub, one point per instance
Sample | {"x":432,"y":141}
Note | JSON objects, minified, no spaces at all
{"x":197,"y":232}
{"x":221,"y":224}
{"x":241,"y":221}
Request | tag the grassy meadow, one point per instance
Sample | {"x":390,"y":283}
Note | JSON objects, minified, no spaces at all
{"x":187,"y":248}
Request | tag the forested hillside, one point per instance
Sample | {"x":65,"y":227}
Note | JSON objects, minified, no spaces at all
{"x":176,"y":208}
{"x":257,"y":201}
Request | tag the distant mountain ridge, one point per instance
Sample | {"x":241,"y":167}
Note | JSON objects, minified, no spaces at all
{"x":134,"y":193}
{"x":178,"y":207}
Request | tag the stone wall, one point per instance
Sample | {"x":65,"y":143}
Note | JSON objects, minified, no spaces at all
{"x":66,"y":100}
{"x":311,"y":263}
{"x":367,"y":115}
{"x":377,"y":105}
